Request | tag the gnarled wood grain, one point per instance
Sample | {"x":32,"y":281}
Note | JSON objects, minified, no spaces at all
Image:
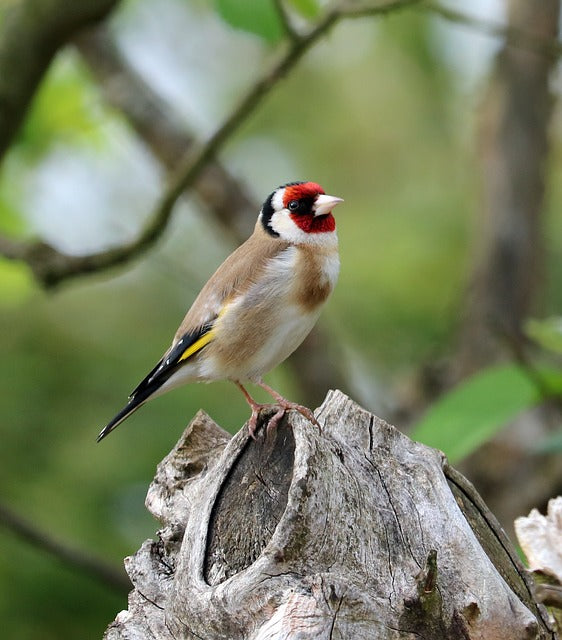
{"x":350,"y":532}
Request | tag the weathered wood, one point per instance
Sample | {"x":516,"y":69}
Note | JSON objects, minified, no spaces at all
{"x":350,"y":532}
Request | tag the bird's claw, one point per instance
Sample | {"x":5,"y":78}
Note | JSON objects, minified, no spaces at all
{"x":256,"y":410}
{"x":275,"y":419}
{"x":306,"y":413}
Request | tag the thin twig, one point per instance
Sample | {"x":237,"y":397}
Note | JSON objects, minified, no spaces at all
{"x":70,"y":556}
{"x":286,"y":20}
{"x":353,"y":9}
{"x":521,"y":38}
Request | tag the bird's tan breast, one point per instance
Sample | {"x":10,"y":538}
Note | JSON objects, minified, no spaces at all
{"x":316,"y":273}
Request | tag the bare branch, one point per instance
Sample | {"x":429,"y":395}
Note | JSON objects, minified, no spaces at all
{"x":362,"y":9}
{"x":71,"y":556}
{"x":158,"y":126}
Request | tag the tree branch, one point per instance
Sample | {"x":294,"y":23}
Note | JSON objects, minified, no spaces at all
{"x":70,"y":556}
{"x":31,"y":32}
{"x":159,"y":127}
{"x":60,"y":266}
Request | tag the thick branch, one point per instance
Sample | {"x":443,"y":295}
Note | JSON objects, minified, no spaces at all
{"x":31,"y":32}
{"x":514,"y":150}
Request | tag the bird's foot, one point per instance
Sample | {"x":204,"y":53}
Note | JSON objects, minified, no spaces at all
{"x":281,"y":406}
{"x":272,"y":423}
{"x":253,"y":421}
{"x":287,"y":405}
{"x":275,"y":420}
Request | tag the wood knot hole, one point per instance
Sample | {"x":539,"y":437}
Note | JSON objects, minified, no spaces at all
{"x":250,"y":503}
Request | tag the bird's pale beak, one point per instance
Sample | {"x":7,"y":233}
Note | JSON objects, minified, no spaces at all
{"x":324,"y":204}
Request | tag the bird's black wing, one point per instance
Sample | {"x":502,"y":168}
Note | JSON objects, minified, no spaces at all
{"x":186,"y":347}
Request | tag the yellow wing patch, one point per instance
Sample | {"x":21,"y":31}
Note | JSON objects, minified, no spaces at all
{"x":197,"y":345}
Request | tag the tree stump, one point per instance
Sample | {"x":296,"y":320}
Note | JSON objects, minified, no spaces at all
{"x":350,"y":532}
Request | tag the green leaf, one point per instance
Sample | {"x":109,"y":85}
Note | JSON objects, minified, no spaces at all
{"x":255,"y":16}
{"x":547,"y":333}
{"x":16,"y":283}
{"x":11,"y":221}
{"x":63,"y":109}
{"x":307,"y":8}
{"x":471,"y":414}
{"x":550,"y":381}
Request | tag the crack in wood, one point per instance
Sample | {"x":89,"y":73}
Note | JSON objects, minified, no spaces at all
{"x":150,"y":600}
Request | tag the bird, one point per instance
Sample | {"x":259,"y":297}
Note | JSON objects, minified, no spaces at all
{"x":258,"y":306}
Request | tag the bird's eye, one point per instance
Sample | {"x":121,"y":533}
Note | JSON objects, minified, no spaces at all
{"x":293,"y":205}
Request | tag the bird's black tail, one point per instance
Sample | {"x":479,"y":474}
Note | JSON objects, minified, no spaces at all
{"x":134,"y":403}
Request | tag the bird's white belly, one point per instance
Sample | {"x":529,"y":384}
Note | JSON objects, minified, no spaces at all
{"x":289,"y":333}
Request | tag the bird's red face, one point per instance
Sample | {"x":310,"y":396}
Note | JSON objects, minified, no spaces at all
{"x":299,"y":212}
{"x":304,"y":202}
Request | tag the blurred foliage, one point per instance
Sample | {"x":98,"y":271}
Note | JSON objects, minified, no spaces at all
{"x":547,"y":333}
{"x":474,"y":412}
{"x":551,"y":444}
{"x":376,"y":115}
{"x":480,"y":407}
{"x":64,"y":111}
{"x":306,"y":8}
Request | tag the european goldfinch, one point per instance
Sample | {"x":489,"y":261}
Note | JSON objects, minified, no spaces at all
{"x":259,"y":305}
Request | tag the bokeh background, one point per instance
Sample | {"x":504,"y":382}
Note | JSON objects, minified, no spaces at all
{"x":442,"y":131}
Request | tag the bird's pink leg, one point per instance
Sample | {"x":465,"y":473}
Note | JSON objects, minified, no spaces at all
{"x":287,"y":405}
{"x":256,"y":408}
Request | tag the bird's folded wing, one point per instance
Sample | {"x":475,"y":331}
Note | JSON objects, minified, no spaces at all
{"x":185,"y":348}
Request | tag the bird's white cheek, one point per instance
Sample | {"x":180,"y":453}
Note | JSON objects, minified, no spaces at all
{"x":286,"y":228}
{"x":277,"y":200}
